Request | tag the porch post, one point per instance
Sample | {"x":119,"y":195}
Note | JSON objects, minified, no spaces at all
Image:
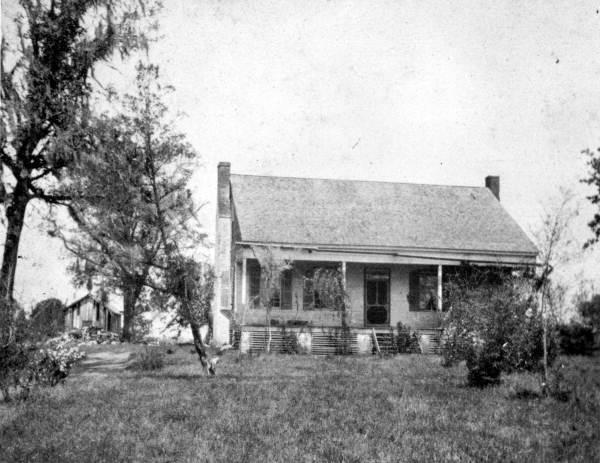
{"x":344,"y":275}
{"x":244,"y":281}
{"x":439,"y":288}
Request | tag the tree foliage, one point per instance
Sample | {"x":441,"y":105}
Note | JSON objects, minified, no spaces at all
{"x":593,"y":180}
{"x":48,"y":317}
{"x":46,"y":89}
{"x":129,"y":197}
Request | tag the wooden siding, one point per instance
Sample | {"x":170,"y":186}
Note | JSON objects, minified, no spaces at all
{"x":83,"y":314}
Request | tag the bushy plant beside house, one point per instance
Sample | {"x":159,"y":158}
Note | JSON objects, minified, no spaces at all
{"x":494,"y":324}
{"x":406,"y":340}
{"x":25,"y":363}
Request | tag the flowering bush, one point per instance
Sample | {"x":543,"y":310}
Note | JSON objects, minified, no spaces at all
{"x":54,"y":361}
{"x":494,"y":325}
{"x":25,"y":364}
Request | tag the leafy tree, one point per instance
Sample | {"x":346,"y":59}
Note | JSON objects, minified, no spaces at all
{"x":130,"y":199}
{"x":48,"y":317}
{"x":46,"y":89}
{"x":593,"y":179}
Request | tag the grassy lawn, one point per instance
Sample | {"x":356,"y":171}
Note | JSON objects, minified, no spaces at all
{"x":298,"y":408}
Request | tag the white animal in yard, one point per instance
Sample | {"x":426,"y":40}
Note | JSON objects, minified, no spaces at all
{"x":212,"y":362}
{"x":209,"y":355}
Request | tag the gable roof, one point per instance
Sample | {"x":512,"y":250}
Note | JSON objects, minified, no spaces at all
{"x":110,"y":304}
{"x":308,"y":211}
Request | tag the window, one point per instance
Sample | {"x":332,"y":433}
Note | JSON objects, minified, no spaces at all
{"x":286,"y":290}
{"x":423,"y":290}
{"x":311,"y":299}
{"x":254,"y":283}
{"x":281,"y":299}
{"x":97,"y":311}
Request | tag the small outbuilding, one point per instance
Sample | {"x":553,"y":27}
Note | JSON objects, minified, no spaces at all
{"x":91,"y":311}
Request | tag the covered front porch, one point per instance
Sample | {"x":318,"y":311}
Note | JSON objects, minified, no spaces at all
{"x":382,"y":290}
{"x":386,"y":291}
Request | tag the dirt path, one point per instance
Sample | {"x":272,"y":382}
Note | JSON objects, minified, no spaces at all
{"x":103,"y":362}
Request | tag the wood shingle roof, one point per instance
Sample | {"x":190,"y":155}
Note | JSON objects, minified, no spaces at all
{"x":307,"y":211}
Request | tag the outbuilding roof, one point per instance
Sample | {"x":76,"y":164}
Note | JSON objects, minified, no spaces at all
{"x":350,"y":213}
{"x":111,"y":304}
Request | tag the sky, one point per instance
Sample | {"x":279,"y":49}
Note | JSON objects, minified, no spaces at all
{"x":404,"y":91}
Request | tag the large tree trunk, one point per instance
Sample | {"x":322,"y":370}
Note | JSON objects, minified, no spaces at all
{"x":131,"y":293}
{"x":201,"y":349}
{"x":15,"y":216}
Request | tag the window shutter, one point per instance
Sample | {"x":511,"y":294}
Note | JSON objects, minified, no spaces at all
{"x":413,"y":290}
{"x":286,"y":290}
{"x":254,"y":284}
{"x":308,"y":292}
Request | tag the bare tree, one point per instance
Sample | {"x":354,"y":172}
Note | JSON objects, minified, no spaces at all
{"x":271,"y":270}
{"x":554,"y":240}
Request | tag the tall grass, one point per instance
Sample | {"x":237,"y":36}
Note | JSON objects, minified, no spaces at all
{"x":301,"y":408}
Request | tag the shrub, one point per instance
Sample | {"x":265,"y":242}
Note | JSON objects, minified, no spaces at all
{"x":151,"y":358}
{"x":576,"y":339}
{"x":25,"y":363}
{"x":494,"y":325}
{"x":24,"y":366}
{"x":484,"y":365}
{"x":406,"y":340}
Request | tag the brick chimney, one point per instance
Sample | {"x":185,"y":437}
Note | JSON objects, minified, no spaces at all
{"x":223,"y":195}
{"x":222,"y":300}
{"x":493,"y":183}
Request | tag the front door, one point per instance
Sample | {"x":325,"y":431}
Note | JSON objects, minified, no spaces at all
{"x":377,"y":297}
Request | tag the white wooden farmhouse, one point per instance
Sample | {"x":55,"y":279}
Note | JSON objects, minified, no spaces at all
{"x":394,"y":242}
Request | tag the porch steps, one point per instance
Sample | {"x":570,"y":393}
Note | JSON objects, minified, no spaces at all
{"x":234,"y":338}
{"x":430,"y":340}
{"x":387,"y":343}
